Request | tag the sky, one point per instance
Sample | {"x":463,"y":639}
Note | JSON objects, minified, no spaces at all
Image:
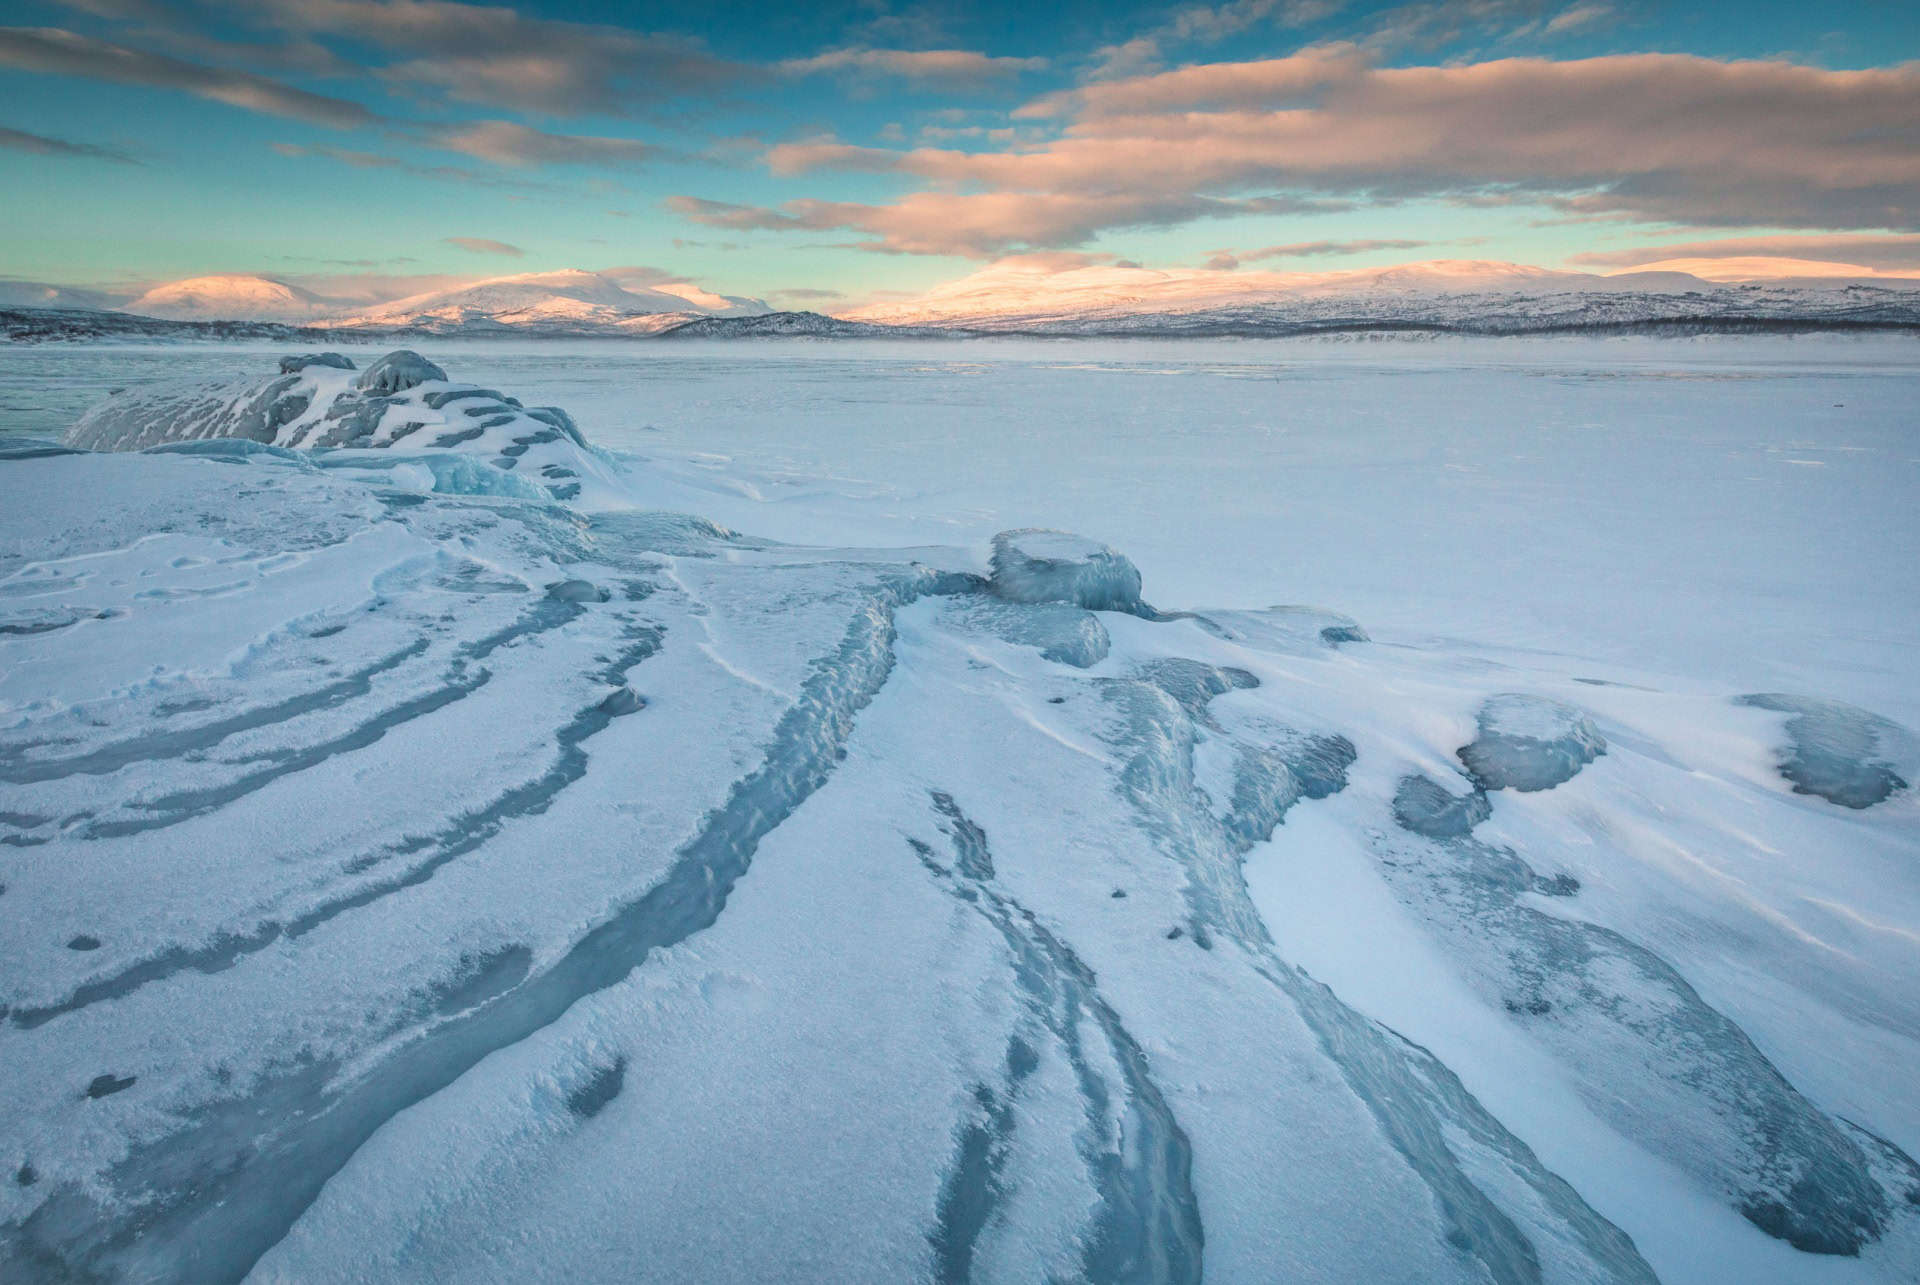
{"x":841,"y":151}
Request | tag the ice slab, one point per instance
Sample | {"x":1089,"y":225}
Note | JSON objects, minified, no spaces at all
{"x":1034,"y":565}
{"x":1530,"y":743}
{"x":1841,"y":753}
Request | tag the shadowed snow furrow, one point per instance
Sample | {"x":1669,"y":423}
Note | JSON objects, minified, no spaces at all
{"x":16,"y":769}
{"x":1430,"y":1118}
{"x":1147,"y":1227}
{"x":206,"y":1203}
{"x":461,"y":836}
{"x":1659,"y":1058}
{"x":184,"y":805}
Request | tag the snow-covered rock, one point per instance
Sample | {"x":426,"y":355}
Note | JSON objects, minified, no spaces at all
{"x":402,"y":409}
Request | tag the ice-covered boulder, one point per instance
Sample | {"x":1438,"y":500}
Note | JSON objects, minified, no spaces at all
{"x":402,"y":406}
{"x":398,"y":371}
{"x":1530,"y":743}
{"x":294,"y":365}
{"x":1841,"y":753}
{"x":1036,"y":565}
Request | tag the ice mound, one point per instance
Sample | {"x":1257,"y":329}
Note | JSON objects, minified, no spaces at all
{"x":453,"y":438}
{"x":1036,"y":565}
{"x":1530,"y":743}
{"x":1840,"y":753}
{"x":398,"y":371}
{"x":294,"y":365}
{"x":1425,"y":807}
{"x":1063,"y":634}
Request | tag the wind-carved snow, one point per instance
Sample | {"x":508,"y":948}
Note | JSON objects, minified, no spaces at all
{"x":402,"y":405}
{"x":440,"y":882}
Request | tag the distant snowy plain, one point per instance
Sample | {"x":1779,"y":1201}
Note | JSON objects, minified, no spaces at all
{"x":412,"y":885}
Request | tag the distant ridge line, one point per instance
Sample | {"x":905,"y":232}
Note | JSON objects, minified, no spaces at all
{"x":43,"y":325}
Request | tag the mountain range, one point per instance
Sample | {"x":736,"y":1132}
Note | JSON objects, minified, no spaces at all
{"x":1032,"y":294}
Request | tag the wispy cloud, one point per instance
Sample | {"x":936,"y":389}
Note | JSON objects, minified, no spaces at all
{"x":53,"y":51}
{"x":1226,"y":259}
{"x":498,"y":56}
{"x":481,"y":245}
{"x":21,"y":141}
{"x":977,"y":225}
{"x":508,"y":143}
{"x":375,"y":161}
{"x":952,"y":66}
{"x":1885,"y":253}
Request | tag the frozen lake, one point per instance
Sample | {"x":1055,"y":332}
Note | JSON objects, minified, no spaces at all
{"x":1743,"y":510}
{"x":440,"y":857}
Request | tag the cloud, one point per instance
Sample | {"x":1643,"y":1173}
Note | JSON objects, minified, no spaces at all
{"x":495,"y":55}
{"x":40,"y":144}
{"x":53,"y":51}
{"x":1676,"y":138}
{"x":1227,"y":260}
{"x":375,"y":161}
{"x":1883,"y":253}
{"x":972,"y":225}
{"x":507,"y":143}
{"x":481,"y":245}
{"x":1317,"y":249}
{"x":954,"y":66}
{"x":804,"y":295}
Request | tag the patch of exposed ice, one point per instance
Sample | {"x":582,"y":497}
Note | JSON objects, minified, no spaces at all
{"x":1035,"y":565}
{"x":1530,"y":743}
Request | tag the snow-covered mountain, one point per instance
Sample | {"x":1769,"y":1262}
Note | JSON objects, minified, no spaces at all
{"x":230,"y":298}
{"x":40,"y":294}
{"x":571,"y":302}
{"x":1031,"y":294}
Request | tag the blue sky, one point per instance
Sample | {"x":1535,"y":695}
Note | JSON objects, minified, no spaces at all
{"x":363,"y":147}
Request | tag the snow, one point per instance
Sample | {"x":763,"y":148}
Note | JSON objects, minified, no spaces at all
{"x":803,"y":854}
{"x":228,"y":298}
{"x":1035,"y":291}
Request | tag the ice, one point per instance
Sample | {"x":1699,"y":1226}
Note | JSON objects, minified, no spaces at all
{"x":401,"y":406}
{"x":1034,"y":565}
{"x":338,"y":361}
{"x":1530,"y":743}
{"x":1066,"y":634}
{"x":1841,"y":753}
{"x":410,"y":874}
{"x":1426,"y":807}
{"x":396,"y":372}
